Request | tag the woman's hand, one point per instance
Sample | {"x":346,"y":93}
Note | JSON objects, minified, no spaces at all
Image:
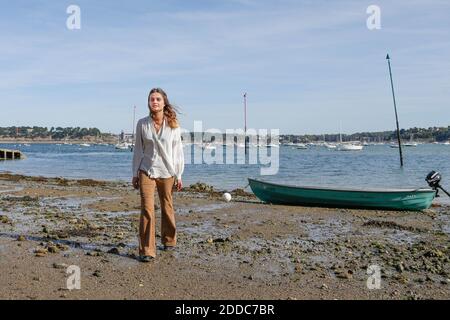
{"x":135,"y":182}
{"x":179,"y":185}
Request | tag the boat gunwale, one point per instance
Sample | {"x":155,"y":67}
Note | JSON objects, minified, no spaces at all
{"x":420,"y":190}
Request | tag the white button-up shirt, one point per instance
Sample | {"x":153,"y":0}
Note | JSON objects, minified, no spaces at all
{"x":146,"y":155}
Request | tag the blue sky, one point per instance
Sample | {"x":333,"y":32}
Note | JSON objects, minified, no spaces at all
{"x":307,"y":66}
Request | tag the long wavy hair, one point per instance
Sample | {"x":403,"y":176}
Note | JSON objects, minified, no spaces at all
{"x":170,"y":111}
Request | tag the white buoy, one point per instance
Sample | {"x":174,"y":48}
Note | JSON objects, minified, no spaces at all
{"x":227,"y":197}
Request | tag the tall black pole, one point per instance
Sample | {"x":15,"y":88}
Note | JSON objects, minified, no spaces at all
{"x":245,"y":122}
{"x":395,"y":108}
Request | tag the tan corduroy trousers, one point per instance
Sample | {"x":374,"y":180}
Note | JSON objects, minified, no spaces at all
{"x":147,"y":233}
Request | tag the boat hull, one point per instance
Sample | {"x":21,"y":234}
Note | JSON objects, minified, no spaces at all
{"x":349,"y":147}
{"x":407,"y":199}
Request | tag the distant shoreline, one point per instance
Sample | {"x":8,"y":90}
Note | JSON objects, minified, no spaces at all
{"x":51,"y":141}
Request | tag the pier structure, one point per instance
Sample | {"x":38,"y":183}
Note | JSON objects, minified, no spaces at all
{"x":6,"y":154}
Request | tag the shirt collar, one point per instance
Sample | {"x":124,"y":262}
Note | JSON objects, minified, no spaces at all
{"x":152,"y":127}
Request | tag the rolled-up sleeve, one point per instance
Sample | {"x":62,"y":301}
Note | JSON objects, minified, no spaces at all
{"x":138,"y":150}
{"x":178,"y":155}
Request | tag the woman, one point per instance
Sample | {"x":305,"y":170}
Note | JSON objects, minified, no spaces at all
{"x":158,"y":162}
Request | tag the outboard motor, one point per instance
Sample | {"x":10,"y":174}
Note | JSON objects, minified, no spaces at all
{"x":433,"y":179}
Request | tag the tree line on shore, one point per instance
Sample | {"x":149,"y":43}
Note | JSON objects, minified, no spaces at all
{"x":55,"y":133}
{"x":431,"y":134}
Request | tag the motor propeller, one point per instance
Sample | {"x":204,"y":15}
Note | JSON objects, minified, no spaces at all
{"x":433,"y":179}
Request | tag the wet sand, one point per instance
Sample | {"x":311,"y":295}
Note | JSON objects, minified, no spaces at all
{"x":243,"y":249}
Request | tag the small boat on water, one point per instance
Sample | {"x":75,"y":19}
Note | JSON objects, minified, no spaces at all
{"x":406,"y":144}
{"x":123,"y":146}
{"x":395,"y":199}
{"x":410,"y":144}
{"x":301,"y":146}
{"x":349,"y":147}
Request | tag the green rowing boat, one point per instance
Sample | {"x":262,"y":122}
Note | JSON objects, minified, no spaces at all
{"x":395,"y":199}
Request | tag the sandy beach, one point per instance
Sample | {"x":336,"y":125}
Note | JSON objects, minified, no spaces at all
{"x":243,"y":249}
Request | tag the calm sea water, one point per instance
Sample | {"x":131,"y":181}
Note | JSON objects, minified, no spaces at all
{"x":374,"y":166}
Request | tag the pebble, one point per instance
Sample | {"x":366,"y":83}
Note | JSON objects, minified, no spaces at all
{"x":52,"y":249}
{"x":400,"y":267}
{"x":60,"y":265}
{"x":62,"y":247}
{"x":97,"y":273}
{"x":21,"y":238}
{"x":4,"y":219}
{"x":344,"y":274}
{"x":93,"y":253}
{"x":114,"y":251}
